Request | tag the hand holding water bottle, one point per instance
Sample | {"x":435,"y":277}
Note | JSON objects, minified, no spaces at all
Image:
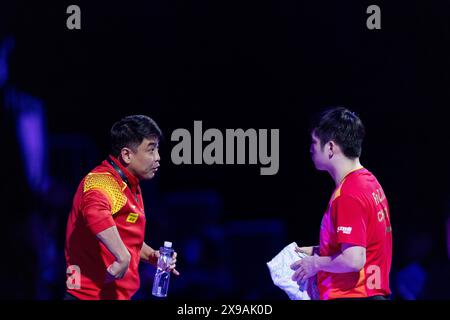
{"x":165,"y":265}
{"x":172,"y":263}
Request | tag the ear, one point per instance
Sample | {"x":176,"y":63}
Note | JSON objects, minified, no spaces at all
{"x":125,"y":154}
{"x":331,"y":149}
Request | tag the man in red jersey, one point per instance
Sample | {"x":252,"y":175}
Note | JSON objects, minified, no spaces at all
{"x":353,"y":259}
{"x":106,"y":226}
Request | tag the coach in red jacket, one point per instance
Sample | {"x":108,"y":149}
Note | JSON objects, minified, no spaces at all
{"x":106,"y":226}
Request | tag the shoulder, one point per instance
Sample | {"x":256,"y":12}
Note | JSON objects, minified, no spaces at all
{"x":108,"y":185}
{"x":356,"y":184}
{"x":350,"y":192}
{"x":102,"y":180}
{"x":102,"y":177}
{"x":343,"y":199}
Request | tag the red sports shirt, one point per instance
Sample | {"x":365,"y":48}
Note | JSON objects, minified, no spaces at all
{"x":104,"y":200}
{"x":357,"y":214}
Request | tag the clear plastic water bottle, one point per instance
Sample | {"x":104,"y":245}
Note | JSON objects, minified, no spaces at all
{"x":162,"y":275}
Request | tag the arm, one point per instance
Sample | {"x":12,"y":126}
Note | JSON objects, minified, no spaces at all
{"x":97,"y":212}
{"x":111,"y":239}
{"x":351,"y":259}
{"x":148,"y":254}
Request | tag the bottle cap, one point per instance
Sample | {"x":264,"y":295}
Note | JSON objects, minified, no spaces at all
{"x":167,"y":244}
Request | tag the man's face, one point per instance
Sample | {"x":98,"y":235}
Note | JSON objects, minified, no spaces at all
{"x":318,"y":154}
{"x":144,"y":161}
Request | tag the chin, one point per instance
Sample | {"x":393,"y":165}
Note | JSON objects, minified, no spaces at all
{"x":146,"y":176}
{"x":319,"y":167}
{"x":149,"y":176}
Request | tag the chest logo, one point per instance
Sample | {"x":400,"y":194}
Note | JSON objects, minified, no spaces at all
{"x":132,"y":217}
{"x":344,"y":230}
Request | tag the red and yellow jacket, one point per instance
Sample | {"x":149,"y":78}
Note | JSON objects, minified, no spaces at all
{"x":104,"y":200}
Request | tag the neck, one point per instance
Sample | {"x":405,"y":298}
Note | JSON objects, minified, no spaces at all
{"x":343,"y":168}
{"x":126,"y":166}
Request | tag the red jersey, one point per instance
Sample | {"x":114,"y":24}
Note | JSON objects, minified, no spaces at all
{"x":104,"y":200}
{"x":357,"y":214}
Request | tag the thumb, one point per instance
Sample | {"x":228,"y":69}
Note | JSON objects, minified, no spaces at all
{"x":305,"y":250}
{"x":156,"y":254}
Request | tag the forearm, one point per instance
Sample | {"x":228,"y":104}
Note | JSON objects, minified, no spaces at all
{"x":316,"y":250}
{"x":340,"y":263}
{"x":112,"y":241}
{"x":147,"y":253}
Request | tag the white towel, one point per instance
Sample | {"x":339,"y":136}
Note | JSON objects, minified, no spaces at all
{"x":281,"y":274}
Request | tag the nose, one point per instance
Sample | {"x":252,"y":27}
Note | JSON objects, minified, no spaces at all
{"x":157,"y":157}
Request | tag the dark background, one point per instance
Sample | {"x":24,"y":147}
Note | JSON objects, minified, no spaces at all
{"x":231,"y":64}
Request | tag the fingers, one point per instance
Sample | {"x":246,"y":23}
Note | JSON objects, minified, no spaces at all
{"x":112,"y":274}
{"x":117,"y":270}
{"x":175,"y":272}
{"x":298,"y":275}
{"x":296,"y":264}
{"x":173,"y":264}
{"x":172,"y":267}
{"x":109,"y":277}
{"x":300,"y":272}
{"x":301,"y":275}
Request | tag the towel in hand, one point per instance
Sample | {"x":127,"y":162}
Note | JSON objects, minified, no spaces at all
{"x":281,"y":274}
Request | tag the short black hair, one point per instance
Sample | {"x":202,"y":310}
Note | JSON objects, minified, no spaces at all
{"x":131,"y":131}
{"x":343,"y":127}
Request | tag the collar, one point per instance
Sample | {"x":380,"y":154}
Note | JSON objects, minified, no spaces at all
{"x":349,"y":173}
{"x":132,"y":179}
{"x":337,"y":191}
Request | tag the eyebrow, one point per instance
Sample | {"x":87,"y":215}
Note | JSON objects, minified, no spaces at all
{"x":152,"y":144}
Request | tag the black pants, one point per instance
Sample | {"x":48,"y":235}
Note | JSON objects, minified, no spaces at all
{"x":68,"y":296}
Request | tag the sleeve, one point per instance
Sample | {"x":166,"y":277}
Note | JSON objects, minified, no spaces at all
{"x":350,"y":221}
{"x":96,"y":210}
